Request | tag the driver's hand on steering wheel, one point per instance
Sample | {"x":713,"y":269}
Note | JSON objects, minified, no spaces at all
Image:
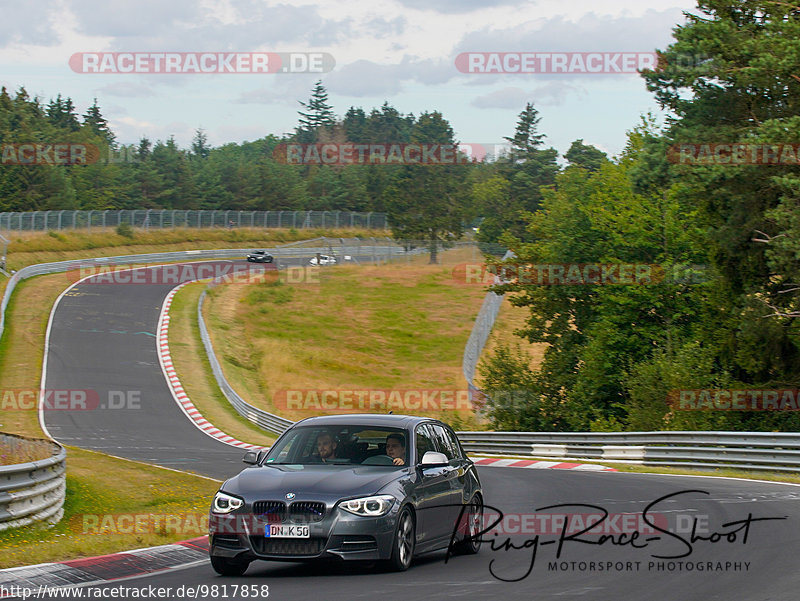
{"x":398,"y":461}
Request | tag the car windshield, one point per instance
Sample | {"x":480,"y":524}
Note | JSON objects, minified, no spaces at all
{"x":341,"y":445}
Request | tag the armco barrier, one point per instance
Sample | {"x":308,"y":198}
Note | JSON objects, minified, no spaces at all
{"x":35,"y":491}
{"x":772,"y":451}
{"x":479,"y":335}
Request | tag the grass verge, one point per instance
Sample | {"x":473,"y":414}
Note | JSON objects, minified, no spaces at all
{"x":353,"y":330}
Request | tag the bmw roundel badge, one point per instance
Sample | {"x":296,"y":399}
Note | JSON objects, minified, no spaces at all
{"x":290,"y":495}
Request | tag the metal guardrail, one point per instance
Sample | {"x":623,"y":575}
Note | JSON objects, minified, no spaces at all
{"x":35,"y":491}
{"x":740,"y":450}
{"x":479,"y":335}
{"x":168,"y":218}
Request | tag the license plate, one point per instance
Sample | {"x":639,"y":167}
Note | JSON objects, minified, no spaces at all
{"x":285,"y":531}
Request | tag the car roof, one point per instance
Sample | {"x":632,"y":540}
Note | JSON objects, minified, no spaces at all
{"x":366,"y":419}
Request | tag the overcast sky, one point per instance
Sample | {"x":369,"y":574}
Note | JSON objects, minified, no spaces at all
{"x":400,"y":51}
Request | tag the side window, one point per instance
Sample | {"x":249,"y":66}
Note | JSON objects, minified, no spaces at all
{"x":443,"y":442}
{"x":424,"y":441}
{"x":456,"y":446}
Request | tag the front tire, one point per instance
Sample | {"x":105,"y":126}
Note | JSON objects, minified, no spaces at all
{"x":472,"y":522}
{"x":403,"y":543}
{"x":227,"y":567}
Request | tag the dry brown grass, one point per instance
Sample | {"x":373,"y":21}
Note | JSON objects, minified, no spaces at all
{"x":400,"y":326}
{"x":510,"y":320}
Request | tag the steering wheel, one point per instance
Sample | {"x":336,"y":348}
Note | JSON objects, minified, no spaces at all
{"x":378,"y":460}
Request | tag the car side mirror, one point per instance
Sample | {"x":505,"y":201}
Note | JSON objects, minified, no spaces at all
{"x":434,"y":459}
{"x":254,"y":457}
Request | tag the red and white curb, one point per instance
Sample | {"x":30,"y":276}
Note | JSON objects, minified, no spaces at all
{"x":89,"y":571}
{"x":178,"y":393}
{"x":540,"y":465}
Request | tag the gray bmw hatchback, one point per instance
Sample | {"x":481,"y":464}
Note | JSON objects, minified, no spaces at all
{"x":353,"y":487}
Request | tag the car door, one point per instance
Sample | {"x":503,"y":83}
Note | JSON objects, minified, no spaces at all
{"x":435,"y":493}
{"x":457,"y":475}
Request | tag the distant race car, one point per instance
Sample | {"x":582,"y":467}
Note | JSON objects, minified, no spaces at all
{"x":260,"y":256}
{"x":323,"y":260}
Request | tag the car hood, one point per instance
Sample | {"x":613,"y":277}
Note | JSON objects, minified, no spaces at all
{"x":328,"y":483}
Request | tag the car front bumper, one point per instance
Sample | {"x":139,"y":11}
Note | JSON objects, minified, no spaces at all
{"x":339,"y":535}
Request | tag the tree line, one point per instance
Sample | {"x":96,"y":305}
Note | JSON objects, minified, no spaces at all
{"x":618,"y":356}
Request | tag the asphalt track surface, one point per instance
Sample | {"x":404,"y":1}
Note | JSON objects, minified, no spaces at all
{"x":102,"y":338}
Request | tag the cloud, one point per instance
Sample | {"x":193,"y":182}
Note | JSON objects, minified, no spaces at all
{"x":461,"y":6}
{"x":380,"y":28}
{"x":287,"y":90}
{"x":188,"y":25}
{"x":126,"y":19}
{"x":550,"y":94}
{"x":366,"y":78}
{"x":29,"y":23}
{"x":126,"y":89}
{"x":591,"y":32}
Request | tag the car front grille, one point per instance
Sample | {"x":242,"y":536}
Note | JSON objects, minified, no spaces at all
{"x":270,"y":511}
{"x":306,"y":511}
{"x":287,"y":546}
{"x":299,"y":512}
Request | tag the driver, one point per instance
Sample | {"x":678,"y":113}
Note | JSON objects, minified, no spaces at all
{"x":396,"y":448}
{"x":326,"y":449}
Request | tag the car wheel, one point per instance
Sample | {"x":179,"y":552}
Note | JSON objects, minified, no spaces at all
{"x":471,"y":524}
{"x":227,"y":567}
{"x":403,"y":544}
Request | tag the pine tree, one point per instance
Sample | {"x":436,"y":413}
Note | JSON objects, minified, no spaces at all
{"x":318,"y":114}
{"x":61,"y":113}
{"x":526,"y":138}
{"x":95,"y":121}
{"x":585,"y":156}
{"x":200,"y":148}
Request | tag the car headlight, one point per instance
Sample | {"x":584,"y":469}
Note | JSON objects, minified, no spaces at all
{"x":369,"y":506}
{"x":225,"y":503}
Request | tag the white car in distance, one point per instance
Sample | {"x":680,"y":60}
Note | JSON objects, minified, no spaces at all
{"x":323,"y":260}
